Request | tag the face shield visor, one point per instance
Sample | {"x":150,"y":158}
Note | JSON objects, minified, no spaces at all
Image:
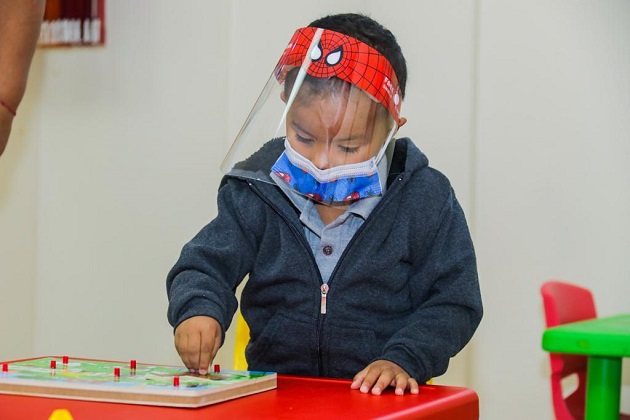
{"x":323,"y":121}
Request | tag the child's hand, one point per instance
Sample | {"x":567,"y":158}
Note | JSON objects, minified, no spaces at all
{"x":197,"y":341}
{"x":380,"y":374}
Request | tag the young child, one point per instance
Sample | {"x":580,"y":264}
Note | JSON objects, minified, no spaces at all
{"x":358,"y":256}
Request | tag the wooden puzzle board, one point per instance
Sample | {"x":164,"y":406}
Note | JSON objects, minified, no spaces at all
{"x":113,"y":381}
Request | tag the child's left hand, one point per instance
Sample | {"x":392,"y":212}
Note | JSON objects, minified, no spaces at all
{"x":380,"y":374}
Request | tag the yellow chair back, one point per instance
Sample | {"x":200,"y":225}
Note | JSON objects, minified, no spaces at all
{"x":242,"y":338}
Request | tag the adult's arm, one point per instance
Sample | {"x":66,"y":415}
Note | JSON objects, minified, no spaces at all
{"x":20,"y":23}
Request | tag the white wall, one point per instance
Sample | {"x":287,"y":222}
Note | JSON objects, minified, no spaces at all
{"x":113,"y":166}
{"x":553,"y":182}
{"x":18,"y":208}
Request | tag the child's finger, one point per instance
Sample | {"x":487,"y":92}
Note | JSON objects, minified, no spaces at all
{"x":192,"y":350}
{"x":384,"y":379}
{"x":181,"y":345}
{"x":358,"y":379}
{"x":404,"y":383}
{"x":414,"y":388}
{"x":369,"y":380}
{"x":206,"y":347}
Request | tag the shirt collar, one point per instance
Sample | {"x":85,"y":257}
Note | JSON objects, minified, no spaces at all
{"x":361,"y":208}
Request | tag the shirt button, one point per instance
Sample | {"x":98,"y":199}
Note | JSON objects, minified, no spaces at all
{"x":328,"y":250}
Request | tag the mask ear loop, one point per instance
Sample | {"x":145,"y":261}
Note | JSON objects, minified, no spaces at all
{"x":390,"y":136}
{"x":300,"y":77}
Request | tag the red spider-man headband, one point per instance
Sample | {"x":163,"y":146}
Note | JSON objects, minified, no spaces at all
{"x":347,"y":58}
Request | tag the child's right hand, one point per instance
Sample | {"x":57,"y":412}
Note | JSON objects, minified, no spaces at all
{"x":197,"y":341}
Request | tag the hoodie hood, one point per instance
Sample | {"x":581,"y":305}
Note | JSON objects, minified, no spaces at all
{"x":406,"y":158}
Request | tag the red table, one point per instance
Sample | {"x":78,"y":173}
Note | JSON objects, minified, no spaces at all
{"x":295,"y":397}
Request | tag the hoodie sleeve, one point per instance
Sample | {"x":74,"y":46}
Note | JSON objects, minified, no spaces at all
{"x":212,"y":264}
{"x":442,"y":324}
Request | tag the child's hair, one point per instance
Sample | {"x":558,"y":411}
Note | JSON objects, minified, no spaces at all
{"x":372,"y":33}
{"x":329,"y":87}
{"x":316,"y":87}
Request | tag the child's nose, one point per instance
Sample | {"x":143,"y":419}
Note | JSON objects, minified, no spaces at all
{"x":321,"y":160}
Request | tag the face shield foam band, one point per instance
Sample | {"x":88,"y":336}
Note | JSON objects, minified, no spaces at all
{"x":338,"y":55}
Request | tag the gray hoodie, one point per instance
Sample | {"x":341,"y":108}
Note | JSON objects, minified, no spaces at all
{"x":405,"y":289}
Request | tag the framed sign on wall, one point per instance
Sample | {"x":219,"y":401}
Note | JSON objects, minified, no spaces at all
{"x":73,"y":23}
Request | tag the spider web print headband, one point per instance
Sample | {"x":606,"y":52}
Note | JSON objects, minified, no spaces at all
{"x":347,"y":58}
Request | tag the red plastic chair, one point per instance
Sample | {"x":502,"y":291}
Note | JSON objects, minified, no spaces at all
{"x":563,"y":303}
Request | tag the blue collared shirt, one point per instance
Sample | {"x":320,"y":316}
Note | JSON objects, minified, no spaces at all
{"x":329,"y":241}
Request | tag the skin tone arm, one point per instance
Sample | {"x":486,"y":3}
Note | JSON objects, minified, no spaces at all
{"x":20,"y":23}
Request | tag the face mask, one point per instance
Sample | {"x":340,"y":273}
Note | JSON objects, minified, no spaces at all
{"x":342,"y":183}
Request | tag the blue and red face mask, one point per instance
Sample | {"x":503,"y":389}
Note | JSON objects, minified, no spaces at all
{"x":343,"y":183}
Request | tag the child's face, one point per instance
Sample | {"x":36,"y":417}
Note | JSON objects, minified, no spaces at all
{"x":333,"y":131}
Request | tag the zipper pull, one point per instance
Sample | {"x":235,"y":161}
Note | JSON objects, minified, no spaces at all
{"x":322,"y":306}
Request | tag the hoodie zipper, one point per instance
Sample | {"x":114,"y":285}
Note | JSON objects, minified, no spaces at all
{"x":300,"y":235}
{"x":325,"y":287}
{"x":322,"y":304}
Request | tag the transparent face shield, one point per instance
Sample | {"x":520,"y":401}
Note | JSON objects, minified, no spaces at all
{"x":323,"y":121}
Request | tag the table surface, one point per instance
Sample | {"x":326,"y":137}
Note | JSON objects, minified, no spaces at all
{"x":607,"y":337}
{"x":295,"y":397}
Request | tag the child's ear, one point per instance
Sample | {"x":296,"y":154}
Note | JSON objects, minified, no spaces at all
{"x":283,"y":96}
{"x":402,"y":121}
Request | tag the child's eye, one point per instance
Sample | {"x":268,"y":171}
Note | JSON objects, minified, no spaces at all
{"x":303,"y":139}
{"x":345,"y":149}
